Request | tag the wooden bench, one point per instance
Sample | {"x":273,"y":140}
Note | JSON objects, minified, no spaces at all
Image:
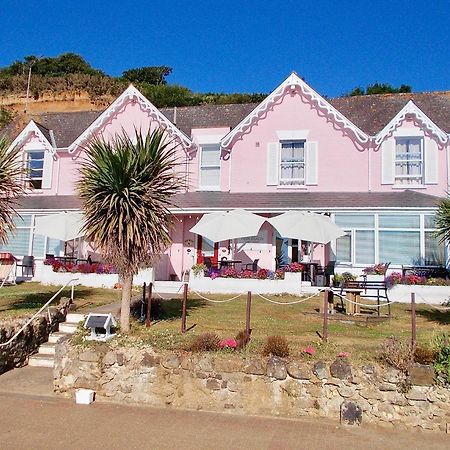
{"x":366,"y":289}
{"x":426,"y":271}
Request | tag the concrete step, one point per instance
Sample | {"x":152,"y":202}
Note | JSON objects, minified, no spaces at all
{"x":47,"y":348}
{"x":68,"y":328}
{"x":55,"y":337}
{"x":41,"y":360}
{"x":75,"y":318}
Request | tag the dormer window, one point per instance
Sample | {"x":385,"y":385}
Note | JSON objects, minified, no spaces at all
{"x":409,"y":160}
{"x":210,"y":167}
{"x":34,"y":166}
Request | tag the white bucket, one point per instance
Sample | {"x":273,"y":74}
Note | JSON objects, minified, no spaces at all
{"x":84,"y":396}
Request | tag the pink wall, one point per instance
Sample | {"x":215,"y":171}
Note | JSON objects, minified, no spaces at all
{"x":338,"y":155}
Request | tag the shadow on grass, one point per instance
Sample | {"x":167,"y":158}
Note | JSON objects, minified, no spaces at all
{"x":38,"y":299}
{"x":434,"y":315}
{"x":169,"y":309}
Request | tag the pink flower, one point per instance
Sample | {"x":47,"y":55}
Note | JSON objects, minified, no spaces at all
{"x":343,"y":355}
{"x":230,"y":343}
{"x":309,"y":350}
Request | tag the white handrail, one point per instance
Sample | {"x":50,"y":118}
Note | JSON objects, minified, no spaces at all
{"x":37,"y":313}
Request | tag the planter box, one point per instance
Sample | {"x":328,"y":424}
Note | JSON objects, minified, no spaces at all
{"x":45,"y":275}
{"x":293,"y":277}
{"x":424,"y":294}
{"x":375,"y":277}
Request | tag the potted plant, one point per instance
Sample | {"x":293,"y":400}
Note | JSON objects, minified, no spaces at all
{"x":376,"y":272}
{"x":198,"y":270}
{"x":293,"y":272}
{"x":339,"y":278}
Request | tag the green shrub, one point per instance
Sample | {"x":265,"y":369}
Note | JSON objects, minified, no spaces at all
{"x":397,"y":353}
{"x":442,"y":361}
{"x":205,"y":342}
{"x":277,"y":346}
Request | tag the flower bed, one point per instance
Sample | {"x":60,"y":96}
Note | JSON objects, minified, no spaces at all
{"x":398,"y":278}
{"x":99,"y":268}
{"x":260,"y":274}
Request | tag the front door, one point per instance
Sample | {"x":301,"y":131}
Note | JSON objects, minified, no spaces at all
{"x":205,"y":247}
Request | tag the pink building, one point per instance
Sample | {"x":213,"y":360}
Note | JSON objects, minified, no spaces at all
{"x":376,"y":164}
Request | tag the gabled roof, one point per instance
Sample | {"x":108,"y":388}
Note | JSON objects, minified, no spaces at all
{"x":411,"y":109}
{"x":42,"y":134}
{"x":131,"y":93}
{"x":293,"y":83}
{"x":373,"y":112}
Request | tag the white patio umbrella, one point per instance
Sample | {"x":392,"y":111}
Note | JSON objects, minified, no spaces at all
{"x":224,"y":225}
{"x":306,"y":226}
{"x":64,"y":226}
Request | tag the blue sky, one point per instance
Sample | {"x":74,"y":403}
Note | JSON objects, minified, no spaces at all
{"x":243,"y":46}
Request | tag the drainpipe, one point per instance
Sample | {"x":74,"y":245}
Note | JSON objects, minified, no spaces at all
{"x":369,"y":165}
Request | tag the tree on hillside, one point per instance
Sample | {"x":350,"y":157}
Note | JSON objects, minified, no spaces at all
{"x":151,"y":75}
{"x":11,"y":186}
{"x":126,"y":187}
{"x":65,"y":64}
{"x":379,"y":88}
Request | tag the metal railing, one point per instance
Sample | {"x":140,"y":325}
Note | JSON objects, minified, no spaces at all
{"x":42,"y":309}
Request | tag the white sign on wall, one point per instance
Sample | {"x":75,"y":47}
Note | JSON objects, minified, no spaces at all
{"x":254,"y":243}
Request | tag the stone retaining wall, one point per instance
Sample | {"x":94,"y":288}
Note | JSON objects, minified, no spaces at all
{"x":255,"y":386}
{"x":16,"y":354}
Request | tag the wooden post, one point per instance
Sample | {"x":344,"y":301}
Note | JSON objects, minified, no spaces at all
{"x":325,"y":317}
{"x":413,"y":319}
{"x":248,"y":330}
{"x":149,"y":305}
{"x":183,"y":308}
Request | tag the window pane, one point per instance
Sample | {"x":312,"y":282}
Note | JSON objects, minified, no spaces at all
{"x":211,"y":155}
{"x":430,"y":221}
{"x":400,"y":247}
{"x":54,"y":247}
{"x":207,"y":247}
{"x":434,"y":251}
{"x":24,"y":220}
{"x":399,"y":221}
{"x":38,"y":246}
{"x":210,"y":176}
{"x":365,"y":247}
{"x":343,"y":248}
{"x":18,"y":243}
{"x":355,"y":221}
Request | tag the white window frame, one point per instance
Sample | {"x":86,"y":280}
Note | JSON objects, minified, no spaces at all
{"x":203,"y":166}
{"x":415,"y":179}
{"x":28,"y":178}
{"x":292,"y":181}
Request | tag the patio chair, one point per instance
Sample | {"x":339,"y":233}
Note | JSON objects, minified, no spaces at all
{"x":27,"y":264}
{"x":326,"y":271}
{"x":7,"y":271}
{"x":252,"y":266}
{"x":208,"y":263}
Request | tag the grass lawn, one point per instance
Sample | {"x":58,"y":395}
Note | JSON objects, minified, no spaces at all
{"x":298,"y":323}
{"x":24,"y":299}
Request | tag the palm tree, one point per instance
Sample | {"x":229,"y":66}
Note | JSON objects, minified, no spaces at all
{"x":11,"y":186}
{"x":443,"y":220}
{"x":126,"y":187}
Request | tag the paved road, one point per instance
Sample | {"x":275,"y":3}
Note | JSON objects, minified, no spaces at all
{"x":38,"y":422}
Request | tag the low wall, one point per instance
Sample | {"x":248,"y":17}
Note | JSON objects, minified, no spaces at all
{"x":242,"y":285}
{"x":435,"y":295}
{"x":271,"y":386}
{"x":45,"y":275}
{"x":17,"y":352}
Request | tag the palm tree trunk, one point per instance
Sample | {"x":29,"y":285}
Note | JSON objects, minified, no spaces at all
{"x":126,"y":301}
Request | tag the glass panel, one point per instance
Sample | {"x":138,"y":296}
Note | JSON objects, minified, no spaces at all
{"x":399,"y":221}
{"x":434,"y":251}
{"x":355,"y":221}
{"x":207,"y":247}
{"x":400,"y":247}
{"x":211,"y":155}
{"x":38,"y":246}
{"x":210,"y":176}
{"x":54,"y":247}
{"x":430,"y":221}
{"x":18,"y":243}
{"x":364,"y":247}
{"x":344,"y":248}
{"x":24,"y":220}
